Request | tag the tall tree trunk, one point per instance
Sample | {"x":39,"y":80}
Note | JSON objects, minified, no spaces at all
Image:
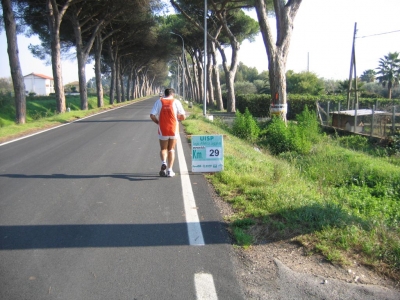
{"x":113,"y":71}
{"x":82,"y":78}
{"x":15,"y":67}
{"x":189,"y":79}
{"x":97,"y":70}
{"x":118,"y":79}
{"x":82,"y":53}
{"x":129,"y":84}
{"x":199,"y":65}
{"x":196,"y":95}
{"x":278,"y":51}
{"x":230,"y":72}
{"x":217,"y":84}
{"x":210,"y":88}
{"x":54,"y":17}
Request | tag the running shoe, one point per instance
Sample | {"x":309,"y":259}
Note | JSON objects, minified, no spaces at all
{"x":163,"y":171}
{"x":170,"y":174}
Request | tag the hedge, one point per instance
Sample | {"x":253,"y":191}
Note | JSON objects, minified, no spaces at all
{"x":258,"y":104}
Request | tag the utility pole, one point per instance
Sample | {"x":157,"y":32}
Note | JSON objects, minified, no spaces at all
{"x":352,"y":64}
{"x":205,"y":59}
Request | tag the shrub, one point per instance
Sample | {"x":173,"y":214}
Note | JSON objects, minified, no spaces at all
{"x":244,"y":88}
{"x":278,"y":137}
{"x":293,"y":137}
{"x":245,"y":126}
{"x":355,"y":142}
{"x":308,"y":125}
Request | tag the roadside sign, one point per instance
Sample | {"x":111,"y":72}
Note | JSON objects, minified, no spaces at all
{"x":207,"y":153}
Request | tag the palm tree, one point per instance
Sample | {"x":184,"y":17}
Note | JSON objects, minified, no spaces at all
{"x":368,"y":76}
{"x":389,"y":70}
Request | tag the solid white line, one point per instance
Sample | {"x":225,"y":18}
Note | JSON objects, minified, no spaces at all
{"x":192,"y":218}
{"x":205,"y":288}
{"x":77,"y":120}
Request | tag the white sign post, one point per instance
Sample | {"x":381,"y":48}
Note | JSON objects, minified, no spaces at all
{"x":207,"y":153}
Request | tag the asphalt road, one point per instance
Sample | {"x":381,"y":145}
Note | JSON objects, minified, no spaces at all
{"x":84,"y":215}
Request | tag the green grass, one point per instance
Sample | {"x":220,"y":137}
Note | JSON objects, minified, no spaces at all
{"x":342,"y":203}
{"x":41,"y":114}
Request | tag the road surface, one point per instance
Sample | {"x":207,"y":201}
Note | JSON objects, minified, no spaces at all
{"x":84,"y":215}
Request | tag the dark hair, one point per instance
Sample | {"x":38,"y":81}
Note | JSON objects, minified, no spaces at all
{"x":168,"y":92}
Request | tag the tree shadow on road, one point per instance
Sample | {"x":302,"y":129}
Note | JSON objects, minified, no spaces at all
{"x":127,"y":176}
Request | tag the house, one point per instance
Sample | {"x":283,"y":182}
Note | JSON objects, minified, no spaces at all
{"x":41,"y":85}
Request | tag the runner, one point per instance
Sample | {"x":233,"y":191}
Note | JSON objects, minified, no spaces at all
{"x":166,"y":112}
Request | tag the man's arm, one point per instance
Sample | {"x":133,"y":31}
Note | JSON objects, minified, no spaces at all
{"x":154,"y":118}
{"x":181,"y":114}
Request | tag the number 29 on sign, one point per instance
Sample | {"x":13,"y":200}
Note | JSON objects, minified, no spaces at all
{"x":213,"y":152}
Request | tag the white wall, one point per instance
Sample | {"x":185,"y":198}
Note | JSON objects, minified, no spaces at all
{"x":38,"y":85}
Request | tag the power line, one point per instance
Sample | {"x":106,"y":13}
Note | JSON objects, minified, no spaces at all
{"x":377,"y":34}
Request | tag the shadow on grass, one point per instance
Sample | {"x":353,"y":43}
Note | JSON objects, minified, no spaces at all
{"x":290,"y":223}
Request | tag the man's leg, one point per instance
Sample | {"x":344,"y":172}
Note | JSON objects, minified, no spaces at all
{"x":164,"y":150}
{"x":171,"y":153}
{"x":163,"y":156}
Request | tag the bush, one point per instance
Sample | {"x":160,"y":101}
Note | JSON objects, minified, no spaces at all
{"x":294,"y":137}
{"x":278,"y":137}
{"x":245,"y":126}
{"x":355,"y":142}
{"x":308,"y":125}
{"x":245,"y":88}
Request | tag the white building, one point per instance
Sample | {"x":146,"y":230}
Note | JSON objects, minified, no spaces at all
{"x":41,"y":85}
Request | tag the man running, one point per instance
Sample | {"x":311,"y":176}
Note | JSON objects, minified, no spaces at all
{"x":166,"y":112}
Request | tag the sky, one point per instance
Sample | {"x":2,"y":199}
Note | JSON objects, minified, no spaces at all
{"x":323,"y":31}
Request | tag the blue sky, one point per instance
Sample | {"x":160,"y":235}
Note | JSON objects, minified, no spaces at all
{"x":322,"y":28}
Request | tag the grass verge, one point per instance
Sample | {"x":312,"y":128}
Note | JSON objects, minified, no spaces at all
{"x":40,"y":116}
{"x":339,"y":202}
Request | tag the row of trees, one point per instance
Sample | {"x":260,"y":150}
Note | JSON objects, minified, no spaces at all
{"x":128,"y":40}
{"x":121,"y":36}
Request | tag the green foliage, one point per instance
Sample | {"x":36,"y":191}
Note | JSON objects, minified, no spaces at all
{"x":278,"y":137}
{"x":356,"y":142}
{"x":245,"y":126}
{"x":244,"y":87}
{"x":395,"y":144}
{"x":298,"y":138}
{"x":245,"y":73}
{"x":389,"y":71}
{"x":6,"y":85}
{"x":258,"y":104}
{"x":308,"y":124}
{"x":368,"y":76}
{"x":242,"y":238}
{"x":334,"y":200}
{"x":304,"y":83}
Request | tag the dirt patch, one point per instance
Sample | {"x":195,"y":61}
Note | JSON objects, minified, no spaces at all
{"x":257,"y":271}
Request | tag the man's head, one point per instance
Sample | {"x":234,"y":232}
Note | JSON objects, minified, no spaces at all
{"x":169,"y":92}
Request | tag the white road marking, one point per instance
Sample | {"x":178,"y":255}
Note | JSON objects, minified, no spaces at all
{"x":192,"y":217}
{"x":55,"y":127}
{"x":205,"y":288}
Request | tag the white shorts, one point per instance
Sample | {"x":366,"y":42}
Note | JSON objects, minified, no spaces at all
{"x":166,"y":138}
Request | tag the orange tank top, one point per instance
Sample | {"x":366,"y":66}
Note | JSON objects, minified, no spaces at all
{"x":167,"y":121}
